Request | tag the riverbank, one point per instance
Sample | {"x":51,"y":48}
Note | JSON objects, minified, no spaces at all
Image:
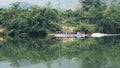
{"x":1,"y":30}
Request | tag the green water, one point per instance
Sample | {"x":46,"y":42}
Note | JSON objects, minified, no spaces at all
{"x":53,"y":53}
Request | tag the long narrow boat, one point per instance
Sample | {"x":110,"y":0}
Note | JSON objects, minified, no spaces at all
{"x":70,"y":35}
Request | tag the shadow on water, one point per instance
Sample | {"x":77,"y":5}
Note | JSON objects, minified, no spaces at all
{"x":53,"y":53}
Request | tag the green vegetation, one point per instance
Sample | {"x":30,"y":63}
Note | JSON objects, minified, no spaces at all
{"x":95,"y":16}
{"x":33,"y":24}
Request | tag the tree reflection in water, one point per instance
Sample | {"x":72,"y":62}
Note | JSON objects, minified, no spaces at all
{"x":87,"y":53}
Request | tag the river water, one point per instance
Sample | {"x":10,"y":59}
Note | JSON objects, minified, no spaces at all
{"x":55,"y":53}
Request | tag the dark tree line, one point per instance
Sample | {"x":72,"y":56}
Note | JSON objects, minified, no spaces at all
{"x":95,"y":16}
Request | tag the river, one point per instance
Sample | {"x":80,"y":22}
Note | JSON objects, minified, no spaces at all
{"x":54,"y":53}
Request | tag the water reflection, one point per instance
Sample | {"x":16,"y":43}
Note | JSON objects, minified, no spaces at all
{"x":61,"y":63}
{"x":49,"y":53}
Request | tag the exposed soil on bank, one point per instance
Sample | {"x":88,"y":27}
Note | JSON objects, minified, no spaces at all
{"x":1,"y":30}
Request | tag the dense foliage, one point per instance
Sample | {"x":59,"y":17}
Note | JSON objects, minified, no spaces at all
{"x":95,"y":16}
{"x":21,"y":22}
